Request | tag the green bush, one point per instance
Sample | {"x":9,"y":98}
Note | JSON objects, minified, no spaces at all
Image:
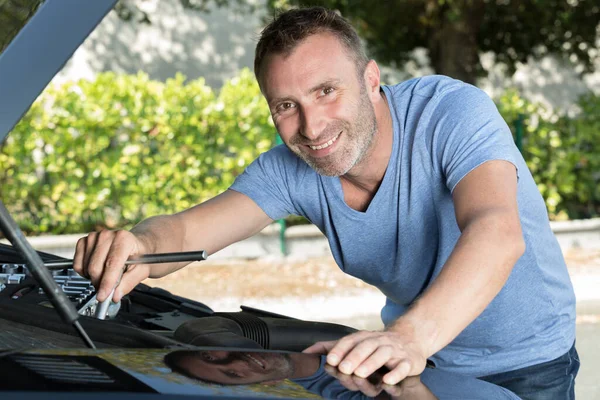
{"x":562,"y":153}
{"x":121,"y":148}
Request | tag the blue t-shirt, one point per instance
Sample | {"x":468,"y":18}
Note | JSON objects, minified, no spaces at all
{"x":443,"y":129}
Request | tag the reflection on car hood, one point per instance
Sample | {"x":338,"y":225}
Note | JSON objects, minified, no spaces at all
{"x":198,"y":372}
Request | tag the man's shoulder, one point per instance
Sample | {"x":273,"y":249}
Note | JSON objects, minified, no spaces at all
{"x":279,"y":151}
{"x":431,"y":86}
{"x":280,"y":154}
{"x":438,"y":96}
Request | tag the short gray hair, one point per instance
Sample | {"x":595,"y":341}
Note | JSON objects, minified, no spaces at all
{"x":290,"y":28}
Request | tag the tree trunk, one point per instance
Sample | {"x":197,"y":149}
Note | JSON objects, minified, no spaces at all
{"x":453,"y":45}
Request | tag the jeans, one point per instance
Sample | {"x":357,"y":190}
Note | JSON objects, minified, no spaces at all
{"x":552,"y":380}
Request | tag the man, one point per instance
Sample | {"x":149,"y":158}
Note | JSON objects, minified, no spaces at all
{"x":420,"y":191}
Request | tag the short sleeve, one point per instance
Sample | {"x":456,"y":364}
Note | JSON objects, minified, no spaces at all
{"x":466,"y":130}
{"x":266,"y":181}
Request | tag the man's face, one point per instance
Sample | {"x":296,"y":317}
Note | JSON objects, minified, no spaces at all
{"x":320,"y":104}
{"x":238,"y":367}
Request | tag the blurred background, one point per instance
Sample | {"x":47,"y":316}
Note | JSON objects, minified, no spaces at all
{"x":159,"y":110}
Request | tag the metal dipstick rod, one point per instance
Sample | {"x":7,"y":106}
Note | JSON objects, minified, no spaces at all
{"x":157,"y":258}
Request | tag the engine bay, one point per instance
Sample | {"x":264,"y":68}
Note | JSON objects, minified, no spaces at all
{"x":147,"y":317}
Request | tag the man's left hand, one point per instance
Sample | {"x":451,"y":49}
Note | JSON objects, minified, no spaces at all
{"x":364,"y":352}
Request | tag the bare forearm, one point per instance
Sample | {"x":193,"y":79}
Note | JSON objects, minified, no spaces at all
{"x":473,"y":275}
{"x":210,"y":226}
{"x":162,"y":234}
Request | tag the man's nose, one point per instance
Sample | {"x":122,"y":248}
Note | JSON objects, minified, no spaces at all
{"x":313,"y":122}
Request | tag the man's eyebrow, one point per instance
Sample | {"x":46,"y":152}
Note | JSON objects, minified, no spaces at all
{"x":278,"y":100}
{"x":328,"y":82}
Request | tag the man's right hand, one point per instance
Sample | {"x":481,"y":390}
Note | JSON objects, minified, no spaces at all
{"x":210,"y":226}
{"x":101,"y":257}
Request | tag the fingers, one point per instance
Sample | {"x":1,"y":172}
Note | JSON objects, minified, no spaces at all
{"x":79,"y":254}
{"x":134,"y":275}
{"x":338,"y":352}
{"x":374,"y":361}
{"x":345,"y":380}
{"x":365,"y":386}
{"x":397,"y":374}
{"x":101,"y":257}
{"x":90,"y":245}
{"x":97,"y":256}
{"x":83,"y":250}
{"x":363,"y":353}
{"x":320,"y":347}
{"x":113,"y":259}
{"x":393,"y":390}
{"x":410,"y":388}
{"x":355,"y":383}
{"x":367,"y":357}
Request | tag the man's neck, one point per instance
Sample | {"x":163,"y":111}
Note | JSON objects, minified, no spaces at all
{"x":367,"y":175}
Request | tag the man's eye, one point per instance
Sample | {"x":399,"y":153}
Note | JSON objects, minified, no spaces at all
{"x":285,"y":106}
{"x":207,"y":356}
{"x":327,"y":90}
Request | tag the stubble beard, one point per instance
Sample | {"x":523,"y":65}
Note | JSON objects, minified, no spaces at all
{"x":358,"y":138}
{"x":283,"y":367}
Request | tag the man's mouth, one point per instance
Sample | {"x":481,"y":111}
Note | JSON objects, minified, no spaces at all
{"x":326,"y":144}
{"x":254,"y":360}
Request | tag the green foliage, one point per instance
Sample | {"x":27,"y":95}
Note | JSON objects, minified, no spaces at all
{"x":14,"y":14}
{"x":584,"y":135}
{"x":121,"y":148}
{"x":455,"y":31}
{"x":562,"y":153}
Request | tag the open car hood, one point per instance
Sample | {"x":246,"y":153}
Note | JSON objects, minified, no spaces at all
{"x":47,"y":37}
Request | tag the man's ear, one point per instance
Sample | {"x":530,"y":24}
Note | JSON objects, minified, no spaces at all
{"x":372,"y":78}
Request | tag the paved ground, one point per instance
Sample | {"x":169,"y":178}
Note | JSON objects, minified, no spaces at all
{"x":317,"y":290}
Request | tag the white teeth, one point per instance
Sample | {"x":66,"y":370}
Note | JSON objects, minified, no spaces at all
{"x":325,"y":145}
{"x":255,"y":360}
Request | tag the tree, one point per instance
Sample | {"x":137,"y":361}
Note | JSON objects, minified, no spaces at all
{"x":13,"y":16}
{"x":455,"y":32}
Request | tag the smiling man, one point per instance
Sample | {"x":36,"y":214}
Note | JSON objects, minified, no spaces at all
{"x":420,"y":191}
{"x":241,"y":367}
